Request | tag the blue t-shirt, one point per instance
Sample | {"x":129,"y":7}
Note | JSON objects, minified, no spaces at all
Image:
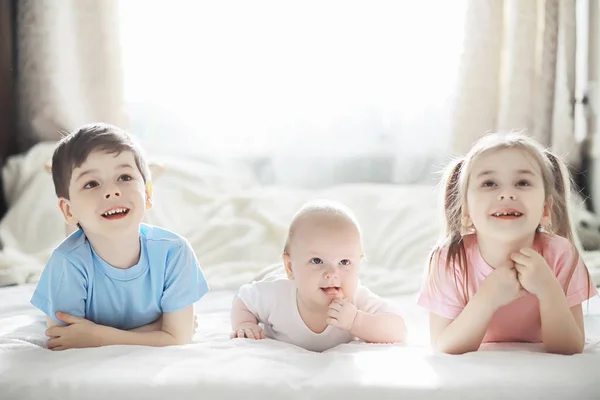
{"x":77,"y":281}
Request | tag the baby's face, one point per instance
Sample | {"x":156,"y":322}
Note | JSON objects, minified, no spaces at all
{"x":324,"y":256}
{"x":107,"y":195}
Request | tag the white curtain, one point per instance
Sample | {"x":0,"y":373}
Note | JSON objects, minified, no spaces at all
{"x":518,"y":72}
{"x":69,"y":66}
{"x":314,"y":92}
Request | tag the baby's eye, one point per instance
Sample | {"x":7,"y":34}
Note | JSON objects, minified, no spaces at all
{"x":316,"y":260}
{"x":90,"y":185}
{"x":345,"y":262}
{"x":488,"y":184}
{"x":125,"y":178}
{"x":523,"y":183}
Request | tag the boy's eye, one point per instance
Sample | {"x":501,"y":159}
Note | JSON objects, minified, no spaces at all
{"x":316,"y":260}
{"x":90,"y":185}
{"x":125,"y":178}
{"x":523,"y":183}
{"x":345,"y":262}
{"x":488,"y":184}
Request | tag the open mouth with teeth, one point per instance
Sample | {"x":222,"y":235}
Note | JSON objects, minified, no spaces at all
{"x":331,"y":291}
{"x":507,"y":214}
{"x":116,"y":213}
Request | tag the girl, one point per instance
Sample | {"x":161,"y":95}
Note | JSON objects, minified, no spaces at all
{"x":320,"y":303}
{"x":507,"y":269}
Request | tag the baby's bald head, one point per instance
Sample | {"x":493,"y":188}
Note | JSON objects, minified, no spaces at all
{"x":330,"y":215}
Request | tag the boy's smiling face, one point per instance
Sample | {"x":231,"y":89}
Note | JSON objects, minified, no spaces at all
{"x":108,"y":196}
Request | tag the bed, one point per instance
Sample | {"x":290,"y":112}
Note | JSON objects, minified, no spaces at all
{"x":237,"y":228}
{"x":214,"y":366}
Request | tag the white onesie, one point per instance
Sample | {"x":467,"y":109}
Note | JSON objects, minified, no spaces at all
{"x":273,"y":303}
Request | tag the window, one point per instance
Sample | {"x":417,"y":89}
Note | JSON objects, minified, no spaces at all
{"x":306,"y":81}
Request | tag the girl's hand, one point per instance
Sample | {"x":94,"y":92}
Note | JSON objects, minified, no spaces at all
{"x":534,"y":274}
{"x":502,"y":287}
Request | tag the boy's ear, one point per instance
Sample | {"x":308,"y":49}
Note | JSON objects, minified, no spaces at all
{"x":65,"y":208}
{"x":287,"y":264}
{"x":148,"y":195}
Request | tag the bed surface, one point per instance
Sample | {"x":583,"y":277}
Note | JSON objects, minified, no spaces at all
{"x":214,"y":366}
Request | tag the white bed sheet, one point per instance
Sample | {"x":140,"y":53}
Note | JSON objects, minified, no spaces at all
{"x":216,"y":367}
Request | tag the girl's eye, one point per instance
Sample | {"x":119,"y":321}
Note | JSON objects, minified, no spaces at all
{"x":488,"y":184}
{"x":90,"y":185}
{"x":316,"y":260}
{"x":125,"y":178}
{"x":345,"y":262}
{"x":523,"y":183}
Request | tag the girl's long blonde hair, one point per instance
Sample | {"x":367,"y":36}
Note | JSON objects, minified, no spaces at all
{"x":556,"y":182}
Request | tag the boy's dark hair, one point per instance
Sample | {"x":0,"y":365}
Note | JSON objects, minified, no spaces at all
{"x":74,"y":149}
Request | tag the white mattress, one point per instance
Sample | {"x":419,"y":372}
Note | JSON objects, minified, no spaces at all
{"x":216,"y":367}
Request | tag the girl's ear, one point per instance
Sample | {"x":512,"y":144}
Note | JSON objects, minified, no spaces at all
{"x":287,"y":264}
{"x":546,"y":220}
{"x":466,"y":221}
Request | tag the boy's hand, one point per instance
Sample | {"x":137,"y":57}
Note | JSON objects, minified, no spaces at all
{"x":534,"y":274}
{"x":341,"y":314}
{"x":80,"y":333}
{"x":248,"y":330}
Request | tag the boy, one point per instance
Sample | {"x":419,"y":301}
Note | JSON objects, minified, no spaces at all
{"x":114,"y":280}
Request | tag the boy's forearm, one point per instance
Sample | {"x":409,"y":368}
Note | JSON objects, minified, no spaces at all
{"x":466,"y":332}
{"x":151,"y":327}
{"x":379,"y":328}
{"x":108,"y":336}
{"x":560,"y":332}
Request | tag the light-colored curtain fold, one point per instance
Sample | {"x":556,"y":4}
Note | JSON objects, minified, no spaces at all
{"x":518,"y":73}
{"x":69,"y":66}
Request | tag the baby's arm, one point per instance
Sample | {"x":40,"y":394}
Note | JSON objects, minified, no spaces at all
{"x":243,"y":322}
{"x":380,"y":327}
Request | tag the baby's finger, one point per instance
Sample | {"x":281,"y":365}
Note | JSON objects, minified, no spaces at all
{"x":332,"y":321}
{"x":335,"y":305}
{"x":241,"y":334}
{"x":233,"y":335}
{"x":333,"y":313}
{"x":249,"y":334}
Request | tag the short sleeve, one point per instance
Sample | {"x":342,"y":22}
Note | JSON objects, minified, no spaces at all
{"x":442,"y":292}
{"x":62,"y":288}
{"x":573,"y":275}
{"x":185,"y":283}
{"x":370,"y":303}
{"x":259,"y":298}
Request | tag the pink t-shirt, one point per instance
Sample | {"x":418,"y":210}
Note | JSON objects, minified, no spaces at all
{"x":520,"y":320}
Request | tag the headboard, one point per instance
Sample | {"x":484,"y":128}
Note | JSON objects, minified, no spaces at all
{"x":8,"y":100}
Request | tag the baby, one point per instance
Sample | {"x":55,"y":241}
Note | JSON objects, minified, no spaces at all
{"x":320,"y":304}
